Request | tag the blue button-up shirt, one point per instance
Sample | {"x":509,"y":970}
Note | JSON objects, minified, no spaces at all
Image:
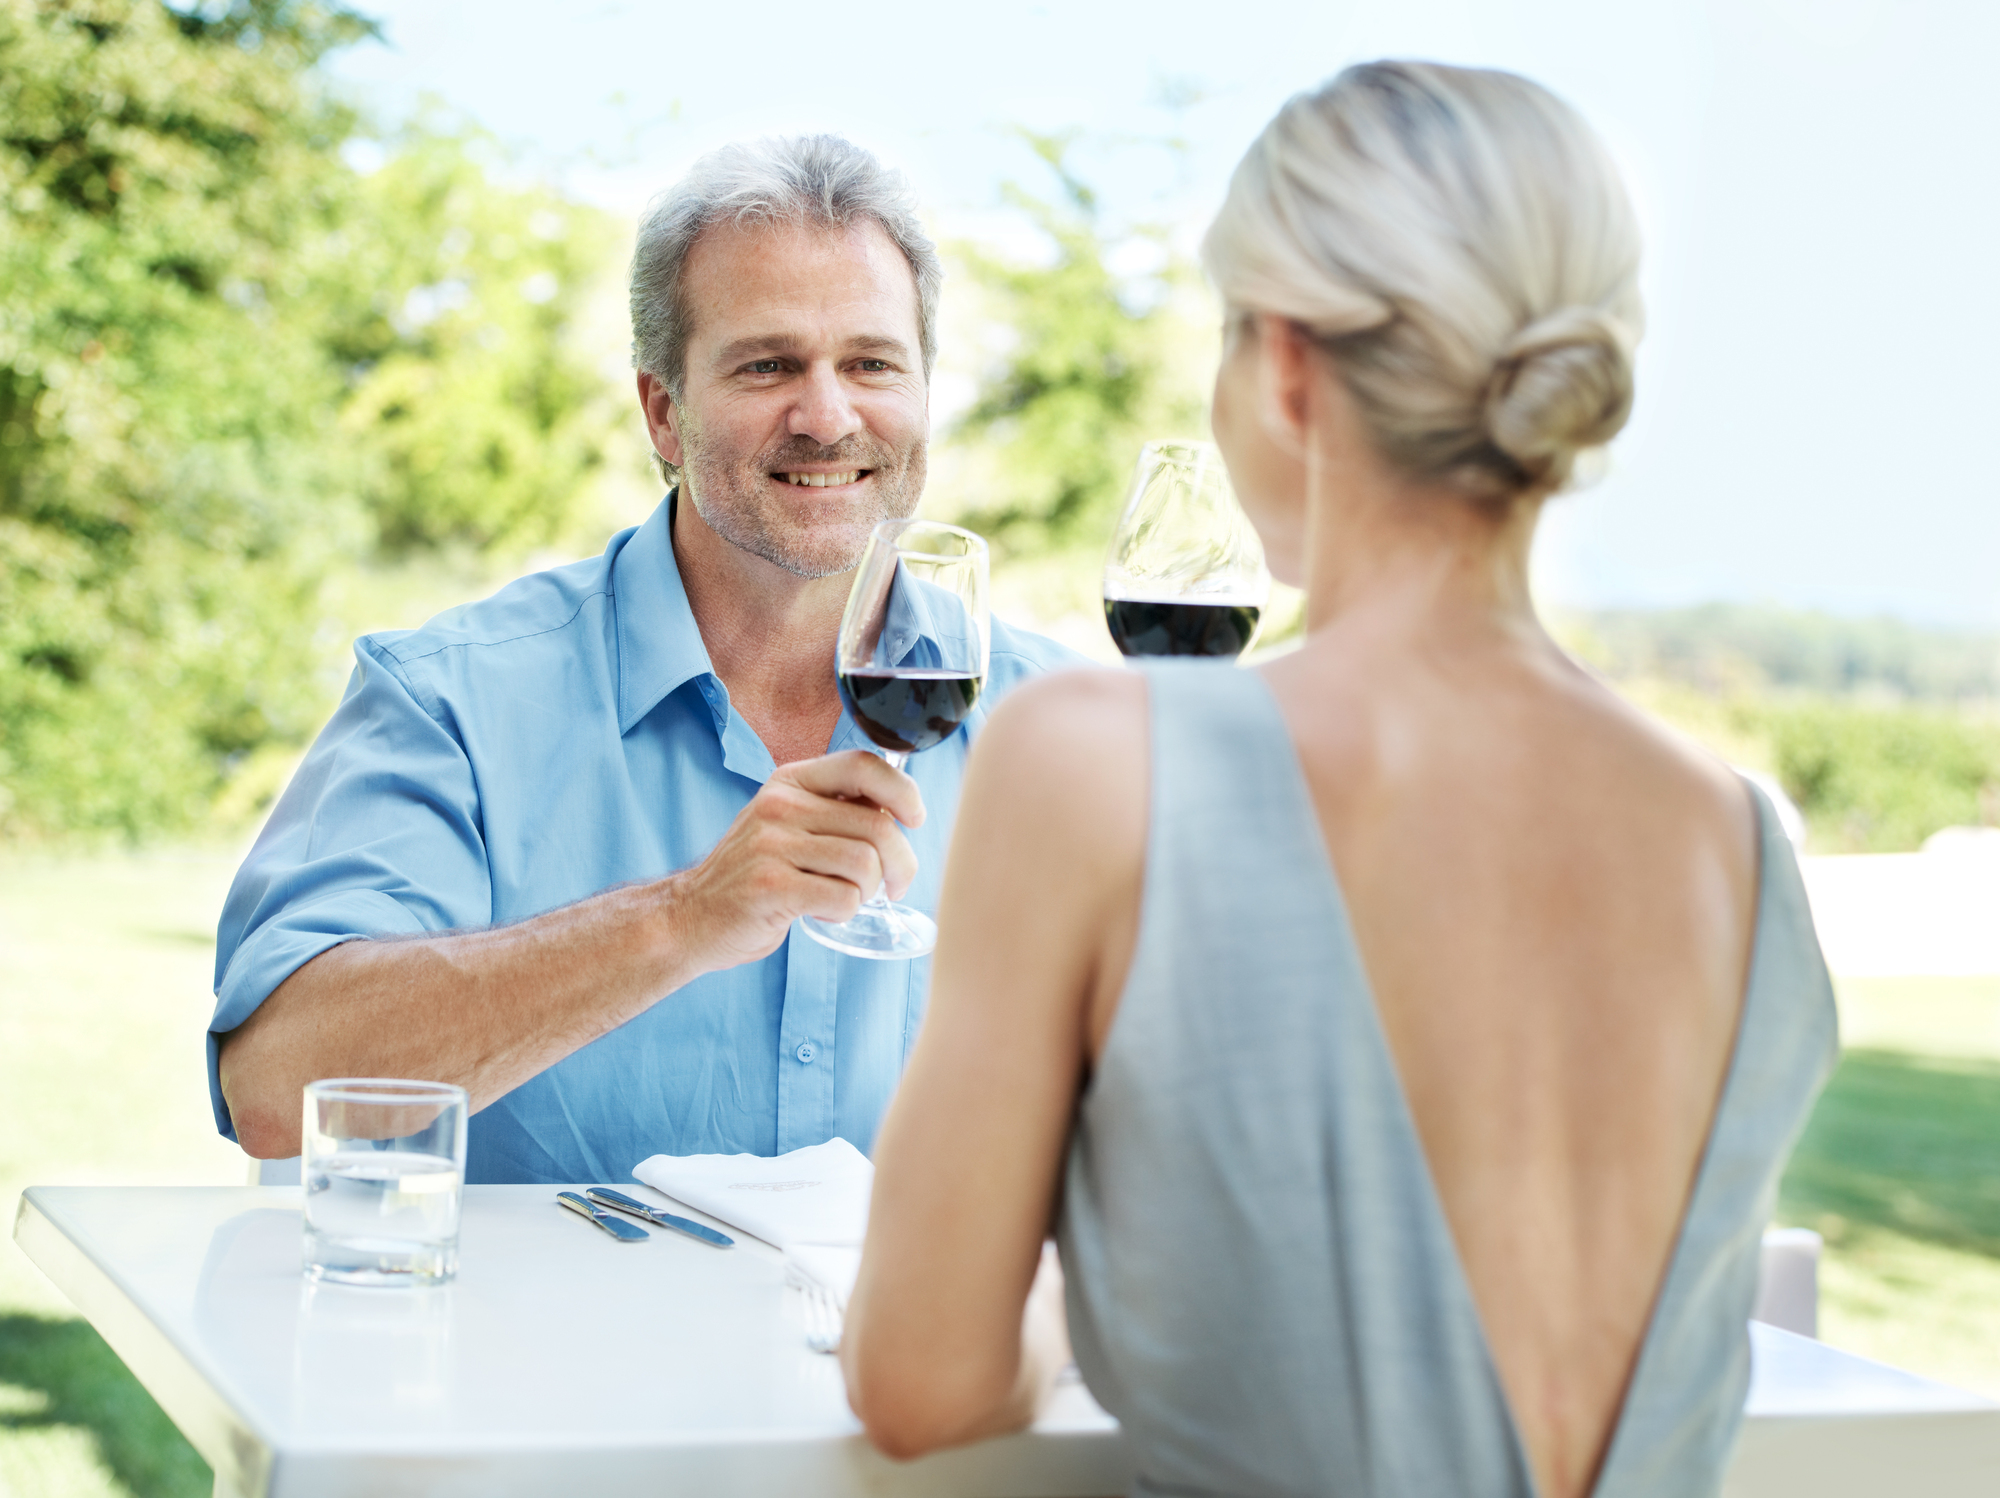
{"x":520,"y":753}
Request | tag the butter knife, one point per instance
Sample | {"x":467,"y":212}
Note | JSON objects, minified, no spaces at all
{"x":619,"y":1201}
{"x":617,"y":1227}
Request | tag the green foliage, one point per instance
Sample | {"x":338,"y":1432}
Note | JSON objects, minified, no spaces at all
{"x":228,"y":364}
{"x":457,"y":292}
{"x":1098,"y":364}
{"x":1876,"y":778}
{"x":1883,"y":732}
{"x":155,"y":424}
{"x":1870,"y":776}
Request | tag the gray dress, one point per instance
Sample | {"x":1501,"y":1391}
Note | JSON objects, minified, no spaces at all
{"x":1263,"y":1286}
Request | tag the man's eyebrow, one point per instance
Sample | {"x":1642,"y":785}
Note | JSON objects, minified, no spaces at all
{"x":764,"y":345}
{"x":880,"y":344}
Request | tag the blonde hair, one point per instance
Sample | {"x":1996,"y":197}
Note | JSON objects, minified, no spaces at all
{"x":1460,"y":242}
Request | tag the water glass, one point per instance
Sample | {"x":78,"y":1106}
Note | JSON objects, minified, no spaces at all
{"x":384,"y":1170}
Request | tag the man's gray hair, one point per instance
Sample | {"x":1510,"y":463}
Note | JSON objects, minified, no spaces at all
{"x":819,"y":180}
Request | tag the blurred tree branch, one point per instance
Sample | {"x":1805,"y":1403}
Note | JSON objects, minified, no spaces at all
{"x":1098,"y":364}
{"x":229,"y":364}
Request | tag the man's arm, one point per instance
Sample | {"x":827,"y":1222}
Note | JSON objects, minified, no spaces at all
{"x":490,"y":1009}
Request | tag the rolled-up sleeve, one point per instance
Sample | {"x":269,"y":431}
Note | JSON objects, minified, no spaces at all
{"x":379,"y":833}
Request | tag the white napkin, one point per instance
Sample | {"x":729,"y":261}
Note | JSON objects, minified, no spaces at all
{"x":818,"y":1194}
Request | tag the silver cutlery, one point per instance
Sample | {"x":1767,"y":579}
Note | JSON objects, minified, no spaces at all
{"x":823,"y":1317}
{"x":617,"y":1227}
{"x":603,"y":1196}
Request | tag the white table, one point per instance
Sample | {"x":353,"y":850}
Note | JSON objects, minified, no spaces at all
{"x":561,"y":1361}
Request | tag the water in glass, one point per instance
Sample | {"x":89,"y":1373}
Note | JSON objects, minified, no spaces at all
{"x":384,"y":1175}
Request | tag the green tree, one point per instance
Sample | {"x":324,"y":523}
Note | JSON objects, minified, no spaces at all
{"x":156,"y":421}
{"x":1876,"y":777}
{"x":1097,"y":365}
{"x":480,"y":420}
{"x":230,"y":363}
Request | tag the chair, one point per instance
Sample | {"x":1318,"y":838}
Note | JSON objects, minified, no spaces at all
{"x":1788,"y":1281}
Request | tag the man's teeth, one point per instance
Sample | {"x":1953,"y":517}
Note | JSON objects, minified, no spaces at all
{"x":821,"y":480}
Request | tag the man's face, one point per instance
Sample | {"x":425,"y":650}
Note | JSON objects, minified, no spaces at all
{"x":805,"y":410}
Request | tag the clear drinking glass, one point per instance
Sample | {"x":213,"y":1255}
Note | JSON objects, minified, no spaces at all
{"x":1186,"y":574}
{"x":911,"y":662}
{"x":384,"y":1171}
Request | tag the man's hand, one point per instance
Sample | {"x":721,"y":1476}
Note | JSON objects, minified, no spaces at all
{"x":501,"y":1005}
{"x":816,"y":840}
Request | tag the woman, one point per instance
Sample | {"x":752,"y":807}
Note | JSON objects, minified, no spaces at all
{"x":1408,"y":1033}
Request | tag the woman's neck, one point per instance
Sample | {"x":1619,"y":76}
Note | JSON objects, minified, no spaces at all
{"x":1391,"y":557}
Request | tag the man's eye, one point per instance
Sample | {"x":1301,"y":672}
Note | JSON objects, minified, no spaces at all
{"x":874,"y":366}
{"x":765,"y":366}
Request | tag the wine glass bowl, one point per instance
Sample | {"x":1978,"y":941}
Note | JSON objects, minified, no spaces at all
{"x":910,"y":663}
{"x":1185,"y":574}
{"x":906,"y":713}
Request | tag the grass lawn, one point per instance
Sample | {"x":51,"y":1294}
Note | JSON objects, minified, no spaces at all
{"x":1900,"y":1169}
{"x":104,"y":1001}
{"x":104,"y":998}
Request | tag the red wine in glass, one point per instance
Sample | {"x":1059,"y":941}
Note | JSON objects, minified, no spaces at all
{"x":1185,"y":575}
{"x":910,"y":663}
{"x":909,"y":711}
{"x":1180,"y":626}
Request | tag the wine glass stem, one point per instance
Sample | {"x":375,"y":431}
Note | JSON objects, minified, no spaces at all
{"x":879,"y":901}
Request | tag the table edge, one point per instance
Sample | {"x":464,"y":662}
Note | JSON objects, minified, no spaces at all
{"x":247,"y":1459}
{"x":236,"y":1450}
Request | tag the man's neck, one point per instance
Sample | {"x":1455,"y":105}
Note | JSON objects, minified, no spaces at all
{"x":770,"y":636}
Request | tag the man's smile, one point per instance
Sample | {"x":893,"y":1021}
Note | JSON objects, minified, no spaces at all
{"x":823,"y":480}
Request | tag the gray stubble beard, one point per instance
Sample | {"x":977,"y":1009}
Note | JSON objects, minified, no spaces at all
{"x":742,"y":520}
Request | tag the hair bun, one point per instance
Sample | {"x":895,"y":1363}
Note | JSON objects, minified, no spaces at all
{"x":1560,"y":385}
{"x":1414,"y":217}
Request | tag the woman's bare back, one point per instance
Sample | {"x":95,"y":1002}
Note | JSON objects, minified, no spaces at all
{"x":1554,"y":901}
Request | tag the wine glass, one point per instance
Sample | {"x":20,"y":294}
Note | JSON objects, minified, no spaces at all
{"x":910,"y":663}
{"x":1186,"y":572}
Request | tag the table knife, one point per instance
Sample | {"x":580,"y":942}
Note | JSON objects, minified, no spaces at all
{"x":617,"y":1227}
{"x":619,"y":1201}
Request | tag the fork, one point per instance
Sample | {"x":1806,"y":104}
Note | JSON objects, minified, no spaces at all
{"x":823,"y":1317}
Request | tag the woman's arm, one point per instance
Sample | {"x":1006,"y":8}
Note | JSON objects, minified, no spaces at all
{"x":1036,"y":929}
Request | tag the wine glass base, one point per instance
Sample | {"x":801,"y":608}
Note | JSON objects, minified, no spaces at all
{"x":886,"y":931}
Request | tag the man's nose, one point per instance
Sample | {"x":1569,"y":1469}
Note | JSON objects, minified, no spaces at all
{"x":823,"y":412}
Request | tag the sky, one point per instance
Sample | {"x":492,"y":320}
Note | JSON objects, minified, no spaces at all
{"x":1818,"y":181}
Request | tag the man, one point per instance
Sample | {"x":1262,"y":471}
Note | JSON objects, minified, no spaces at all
{"x":551,"y":846}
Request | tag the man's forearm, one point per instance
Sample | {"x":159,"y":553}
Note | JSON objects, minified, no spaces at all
{"x":490,"y":1009}
{"x":485,"y":1009}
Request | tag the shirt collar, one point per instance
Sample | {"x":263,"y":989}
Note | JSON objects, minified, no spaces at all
{"x":926,"y":626}
{"x":660,"y":647}
{"x":659,"y":644}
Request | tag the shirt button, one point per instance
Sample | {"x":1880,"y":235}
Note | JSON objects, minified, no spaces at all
{"x":806,"y":1051}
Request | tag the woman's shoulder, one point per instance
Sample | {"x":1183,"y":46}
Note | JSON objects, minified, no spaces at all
{"x":1063,"y":763}
{"x":1666,"y":762}
{"x":1626,"y":791}
{"x":1094,"y":710}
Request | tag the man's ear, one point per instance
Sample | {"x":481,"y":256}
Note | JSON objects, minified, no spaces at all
{"x":663,"y":418}
{"x":1284,"y":382}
